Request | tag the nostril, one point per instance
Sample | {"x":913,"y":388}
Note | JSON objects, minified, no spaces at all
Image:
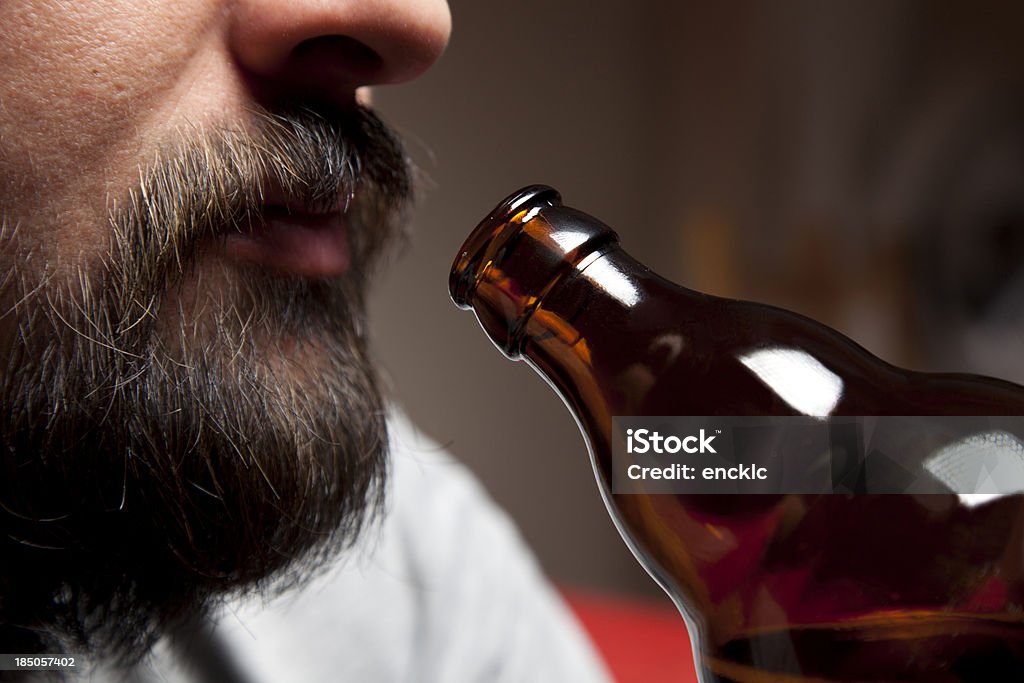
{"x":337,"y":53}
{"x":301,"y":52}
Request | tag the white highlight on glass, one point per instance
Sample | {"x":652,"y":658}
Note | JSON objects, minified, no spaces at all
{"x":980,"y":467}
{"x":568,"y":240}
{"x":798,"y":378}
{"x":603,"y":273}
{"x":531,"y":214}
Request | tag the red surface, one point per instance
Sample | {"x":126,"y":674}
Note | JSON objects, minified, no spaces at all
{"x":641,"y":642}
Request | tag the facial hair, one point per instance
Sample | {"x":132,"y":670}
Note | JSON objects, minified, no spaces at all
{"x":177,"y":427}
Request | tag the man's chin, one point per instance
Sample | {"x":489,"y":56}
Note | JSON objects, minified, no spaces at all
{"x":268,"y":403}
{"x":236,"y":443}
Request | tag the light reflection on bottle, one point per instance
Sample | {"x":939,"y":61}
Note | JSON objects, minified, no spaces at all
{"x":991,"y":462}
{"x":798,"y":378}
{"x":603,"y":273}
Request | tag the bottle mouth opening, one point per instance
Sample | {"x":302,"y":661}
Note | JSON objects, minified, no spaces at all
{"x":487,"y":239}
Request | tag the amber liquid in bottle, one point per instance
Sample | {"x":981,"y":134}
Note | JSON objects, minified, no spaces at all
{"x":774,"y":588}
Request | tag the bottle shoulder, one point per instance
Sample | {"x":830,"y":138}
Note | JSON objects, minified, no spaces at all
{"x":715,"y":356}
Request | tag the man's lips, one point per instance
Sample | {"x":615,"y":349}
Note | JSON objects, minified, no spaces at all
{"x":294,"y":241}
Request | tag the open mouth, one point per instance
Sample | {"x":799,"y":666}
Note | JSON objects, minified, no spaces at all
{"x":294,"y":240}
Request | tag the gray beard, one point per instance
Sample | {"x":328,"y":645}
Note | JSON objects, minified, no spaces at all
{"x":177,"y":429}
{"x":144,"y":481}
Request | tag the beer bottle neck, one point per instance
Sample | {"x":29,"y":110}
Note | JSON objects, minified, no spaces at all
{"x":550,"y":284}
{"x":580,"y":335}
{"x":520,"y":258}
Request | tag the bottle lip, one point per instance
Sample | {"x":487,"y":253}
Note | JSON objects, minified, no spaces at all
{"x":486,"y":239}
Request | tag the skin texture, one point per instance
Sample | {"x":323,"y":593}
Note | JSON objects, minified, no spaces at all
{"x":91,"y":89}
{"x":179,"y":425}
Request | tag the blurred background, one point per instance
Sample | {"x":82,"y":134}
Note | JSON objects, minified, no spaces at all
{"x":861,"y":163}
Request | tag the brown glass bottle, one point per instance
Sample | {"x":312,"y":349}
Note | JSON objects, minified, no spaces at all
{"x":774,"y":588}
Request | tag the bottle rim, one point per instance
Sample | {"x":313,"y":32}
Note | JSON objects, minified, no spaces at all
{"x":486,"y":238}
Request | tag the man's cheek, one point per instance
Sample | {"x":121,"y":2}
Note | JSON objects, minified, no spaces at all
{"x":87,"y":92}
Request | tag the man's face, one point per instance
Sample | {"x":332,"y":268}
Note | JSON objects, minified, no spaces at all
{"x":190,"y":203}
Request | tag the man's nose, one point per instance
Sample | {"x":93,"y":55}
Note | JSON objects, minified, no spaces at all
{"x":325,"y":49}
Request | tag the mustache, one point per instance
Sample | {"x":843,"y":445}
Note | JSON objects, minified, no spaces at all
{"x":213,"y":182}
